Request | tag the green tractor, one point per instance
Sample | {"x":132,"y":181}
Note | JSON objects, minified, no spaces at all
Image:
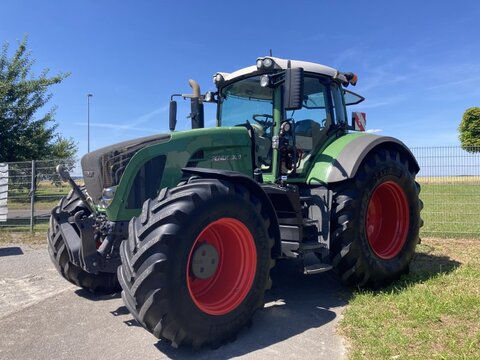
{"x":189,"y":224}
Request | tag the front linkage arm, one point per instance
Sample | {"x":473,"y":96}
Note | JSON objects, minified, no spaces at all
{"x":92,"y":246}
{"x":65,"y":176}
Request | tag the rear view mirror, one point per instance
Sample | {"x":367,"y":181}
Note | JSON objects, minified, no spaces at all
{"x":173,"y":115}
{"x":293,"y":89}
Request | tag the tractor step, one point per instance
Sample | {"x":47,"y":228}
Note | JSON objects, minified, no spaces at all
{"x":313,"y":265}
{"x":316,"y":268}
{"x":311,"y":246}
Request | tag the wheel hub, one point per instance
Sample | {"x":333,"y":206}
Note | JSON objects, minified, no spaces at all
{"x":204,"y":261}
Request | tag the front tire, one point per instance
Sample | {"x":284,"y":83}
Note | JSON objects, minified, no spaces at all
{"x":101,"y":282}
{"x":376,"y":221}
{"x":197,"y":262}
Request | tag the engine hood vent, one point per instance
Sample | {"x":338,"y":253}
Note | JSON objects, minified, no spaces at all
{"x":104,"y":167}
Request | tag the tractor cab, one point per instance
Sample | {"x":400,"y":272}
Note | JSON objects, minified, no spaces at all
{"x":291,"y":109}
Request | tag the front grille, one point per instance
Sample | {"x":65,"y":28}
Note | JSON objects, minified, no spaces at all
{"x":114,"y":165}
{"x":104,"y":167}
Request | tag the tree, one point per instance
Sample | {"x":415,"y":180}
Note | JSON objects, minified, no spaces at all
{"x":470,"y":130}
{"x":25,"y":135}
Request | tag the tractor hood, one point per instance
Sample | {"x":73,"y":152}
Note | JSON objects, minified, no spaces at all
{"x":104,"y":167}
{"x":129,"y":173}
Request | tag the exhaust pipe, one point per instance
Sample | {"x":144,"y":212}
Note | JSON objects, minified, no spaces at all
{"x":196,"y":107}
{"x":195,"y":88}
{"x":196,"y":113}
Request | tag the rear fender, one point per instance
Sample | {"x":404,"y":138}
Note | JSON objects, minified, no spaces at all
{"x":340,"y":160}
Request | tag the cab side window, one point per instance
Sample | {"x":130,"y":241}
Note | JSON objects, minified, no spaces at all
{"x":338,"y":104}
{"x":310,"y":120}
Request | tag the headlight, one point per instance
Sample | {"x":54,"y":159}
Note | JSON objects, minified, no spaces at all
{"x":218,"y":79}
{"x":264,"y":81}
{"x":210,"y":97}
{"x":107,"y":196}
{"x":266,"y":63}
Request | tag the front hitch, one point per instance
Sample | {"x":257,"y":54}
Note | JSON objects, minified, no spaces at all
{"x":91,"y":240}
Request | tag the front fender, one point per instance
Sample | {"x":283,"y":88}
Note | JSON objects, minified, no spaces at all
{"x":220,"y":148}
{"x":253,"y":187}
{"x":341,"y":159}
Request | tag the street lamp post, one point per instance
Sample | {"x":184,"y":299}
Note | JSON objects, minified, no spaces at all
{"x":88,"y":121}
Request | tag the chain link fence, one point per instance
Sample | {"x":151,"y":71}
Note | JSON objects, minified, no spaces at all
{"x":29,"y":190}
{"x":449,"y":177}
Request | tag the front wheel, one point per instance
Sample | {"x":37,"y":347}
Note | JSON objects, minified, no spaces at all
{"x":196,"y":264}
{"x":376,"y":221}
{"x":101,"y":282}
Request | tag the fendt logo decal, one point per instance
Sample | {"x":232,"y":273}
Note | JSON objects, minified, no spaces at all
{"x":234,"y":157}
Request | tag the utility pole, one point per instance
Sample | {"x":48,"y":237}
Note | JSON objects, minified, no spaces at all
{"x":88,"y":121}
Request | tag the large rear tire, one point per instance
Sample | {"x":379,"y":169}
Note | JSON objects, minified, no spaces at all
{"x":376,"y":221}
{"x":102,"y":282}
{"x":197,"y":262}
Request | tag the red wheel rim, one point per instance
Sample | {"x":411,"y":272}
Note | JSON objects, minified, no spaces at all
{"x":225,"y":290}
{"x":387,"y":220}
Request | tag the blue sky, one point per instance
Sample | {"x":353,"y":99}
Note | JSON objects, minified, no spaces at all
{"x":417,"y":61}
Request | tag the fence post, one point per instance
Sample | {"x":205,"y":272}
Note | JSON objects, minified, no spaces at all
{"x":32,"y":196}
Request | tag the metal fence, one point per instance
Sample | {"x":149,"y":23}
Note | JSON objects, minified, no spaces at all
{"x":449,"y":177}
{"x":450,"y":181}
{"x":29,"y":190}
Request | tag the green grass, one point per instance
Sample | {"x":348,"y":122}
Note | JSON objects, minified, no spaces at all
{"x":46,"y":196}
{"x":433,"y":313}
{"x":41,"y":225}
{"x":451,"y":209}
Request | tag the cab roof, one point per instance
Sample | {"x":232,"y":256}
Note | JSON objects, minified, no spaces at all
{"x":282,"y":64}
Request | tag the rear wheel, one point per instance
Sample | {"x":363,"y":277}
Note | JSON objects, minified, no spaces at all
{"x":196,"y":264}
{"x":101,"y":282}
{"x":376,"y":221}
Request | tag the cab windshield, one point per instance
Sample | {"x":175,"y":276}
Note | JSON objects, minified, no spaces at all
{"x":245,"y":101}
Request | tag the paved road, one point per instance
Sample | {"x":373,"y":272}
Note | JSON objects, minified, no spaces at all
{"x":43,"y":316}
